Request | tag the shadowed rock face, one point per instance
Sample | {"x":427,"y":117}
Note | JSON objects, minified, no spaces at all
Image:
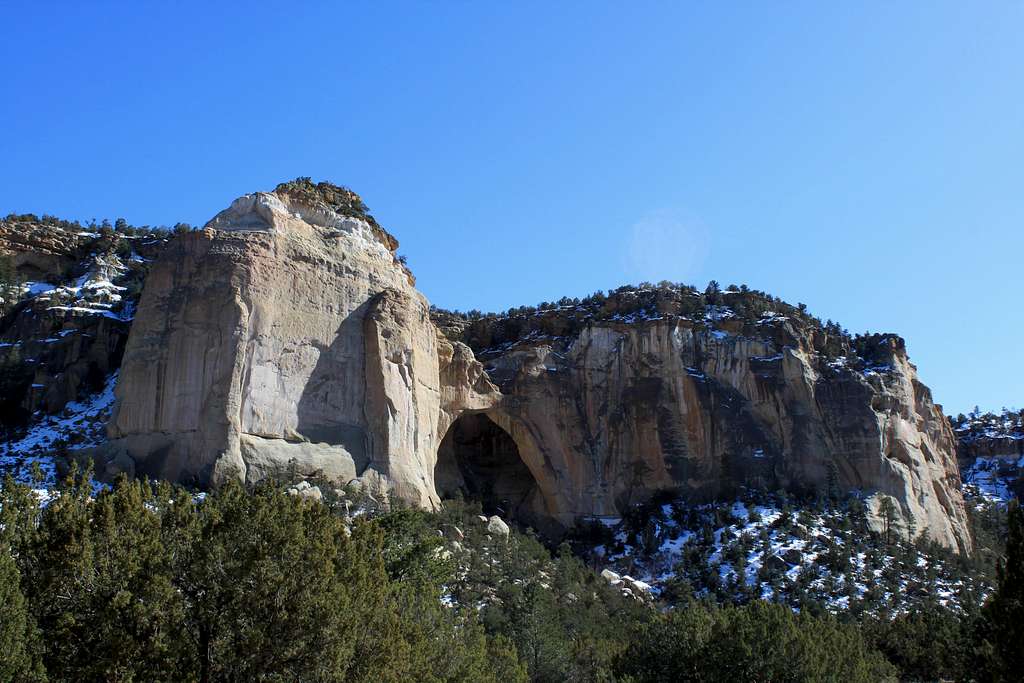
{"x":480,"y":460}
{"x":287,"y":338}
{"x":65,"y":331}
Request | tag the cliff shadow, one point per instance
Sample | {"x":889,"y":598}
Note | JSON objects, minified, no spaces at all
{"x":330,"y":408}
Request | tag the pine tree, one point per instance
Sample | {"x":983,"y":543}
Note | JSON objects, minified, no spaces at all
{"x":1003,"y":629}
{"x":834,"y":490}
{"x":16,"y":628}
{"x":757,"y":642}
{"x":890,"y":518}
{"x":100,"y":587}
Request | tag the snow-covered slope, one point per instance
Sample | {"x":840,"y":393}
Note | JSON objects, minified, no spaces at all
{"x":991,"y":453}
{"x":775,"y":550}
{"x":31,"y":455}
{"x":992,"y":478}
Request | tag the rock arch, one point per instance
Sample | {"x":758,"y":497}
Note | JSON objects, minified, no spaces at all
{"x":479,"y":459}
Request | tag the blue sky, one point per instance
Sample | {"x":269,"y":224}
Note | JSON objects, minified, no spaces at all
{"x":863,"y":158}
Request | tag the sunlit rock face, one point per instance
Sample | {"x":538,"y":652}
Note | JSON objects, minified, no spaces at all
{"x":616,"y":412}
{"x":286,"y":339}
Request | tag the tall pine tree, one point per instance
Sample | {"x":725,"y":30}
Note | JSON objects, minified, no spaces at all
{"x":1003,"y":632}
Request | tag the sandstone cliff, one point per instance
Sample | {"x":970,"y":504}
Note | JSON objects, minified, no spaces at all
{"x":658,"y":391}
{"x":286,"y":338}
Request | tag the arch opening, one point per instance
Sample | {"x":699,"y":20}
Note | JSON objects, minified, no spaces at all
{"x":479,"y":460}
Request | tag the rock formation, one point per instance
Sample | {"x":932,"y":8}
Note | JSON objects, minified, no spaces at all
{"x":990,"y":449}
{"x":66,"y":331}
{"x":287,"y":339}
{"x":621,"y":411}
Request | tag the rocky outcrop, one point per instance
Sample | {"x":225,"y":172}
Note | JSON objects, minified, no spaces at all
{"x":990,"y":448}
{"x":989,"y":436}
{"x":65,"y":327}
{"x":615,"y":412}
{"x":43,"y":250}
{"x":287,"y":339}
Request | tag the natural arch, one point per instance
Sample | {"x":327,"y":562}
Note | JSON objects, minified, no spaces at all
{"x":479,"y":460}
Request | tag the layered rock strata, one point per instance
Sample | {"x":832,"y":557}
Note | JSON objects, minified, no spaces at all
{"x":65,"y":323}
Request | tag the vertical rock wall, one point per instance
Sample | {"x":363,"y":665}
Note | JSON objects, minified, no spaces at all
{"x":286,"y":338}
{"x":622,"y":411}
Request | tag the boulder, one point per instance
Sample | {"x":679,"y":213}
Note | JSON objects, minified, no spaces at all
{"x":637,"y":587}
{"x":496,"y":525}
{"x":793,"y":556}
{"x":775,"y":563}
{"x":309,"y":492}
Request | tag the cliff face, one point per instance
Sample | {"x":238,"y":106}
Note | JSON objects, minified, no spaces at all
{"x":71,"y":294}
{"x":619,"y":411}
{"x":285,"y":338}
{"x":991,"y":452}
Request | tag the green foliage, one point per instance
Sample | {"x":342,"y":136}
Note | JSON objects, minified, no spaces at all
{"x":1002,"y":632}
{"x":18,"y":639}
{"x":751,"y":313}
{"x":929,"y":643}
{"x":566,"y":623}
{"x":980,"y":425}
{"x":808,"y":560}
{"x":341,"y":199}
{"x":141,"y":584}
{"x":413,"y":551}
{"x":136,"y":583}
{"x":757,"y":642}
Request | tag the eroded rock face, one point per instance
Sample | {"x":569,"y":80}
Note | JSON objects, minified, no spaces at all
{"x":64,"y":326}
{"x":286,"y":339}
{"x":42,"y":251}
{"x":610,"y":415}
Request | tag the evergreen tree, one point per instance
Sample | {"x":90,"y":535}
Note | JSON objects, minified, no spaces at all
{"x":758,"y":642}
{"x":1002,"y":632}
{"x":930,"y":643}
{"x":834,"y":490}
{"x":133,"y":584}
{"x":890,"y":518}
{"x":17,"y":634}
{"x":101,"y":589}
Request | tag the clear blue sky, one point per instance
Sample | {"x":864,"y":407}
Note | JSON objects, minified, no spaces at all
{"x":863,"y":158}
